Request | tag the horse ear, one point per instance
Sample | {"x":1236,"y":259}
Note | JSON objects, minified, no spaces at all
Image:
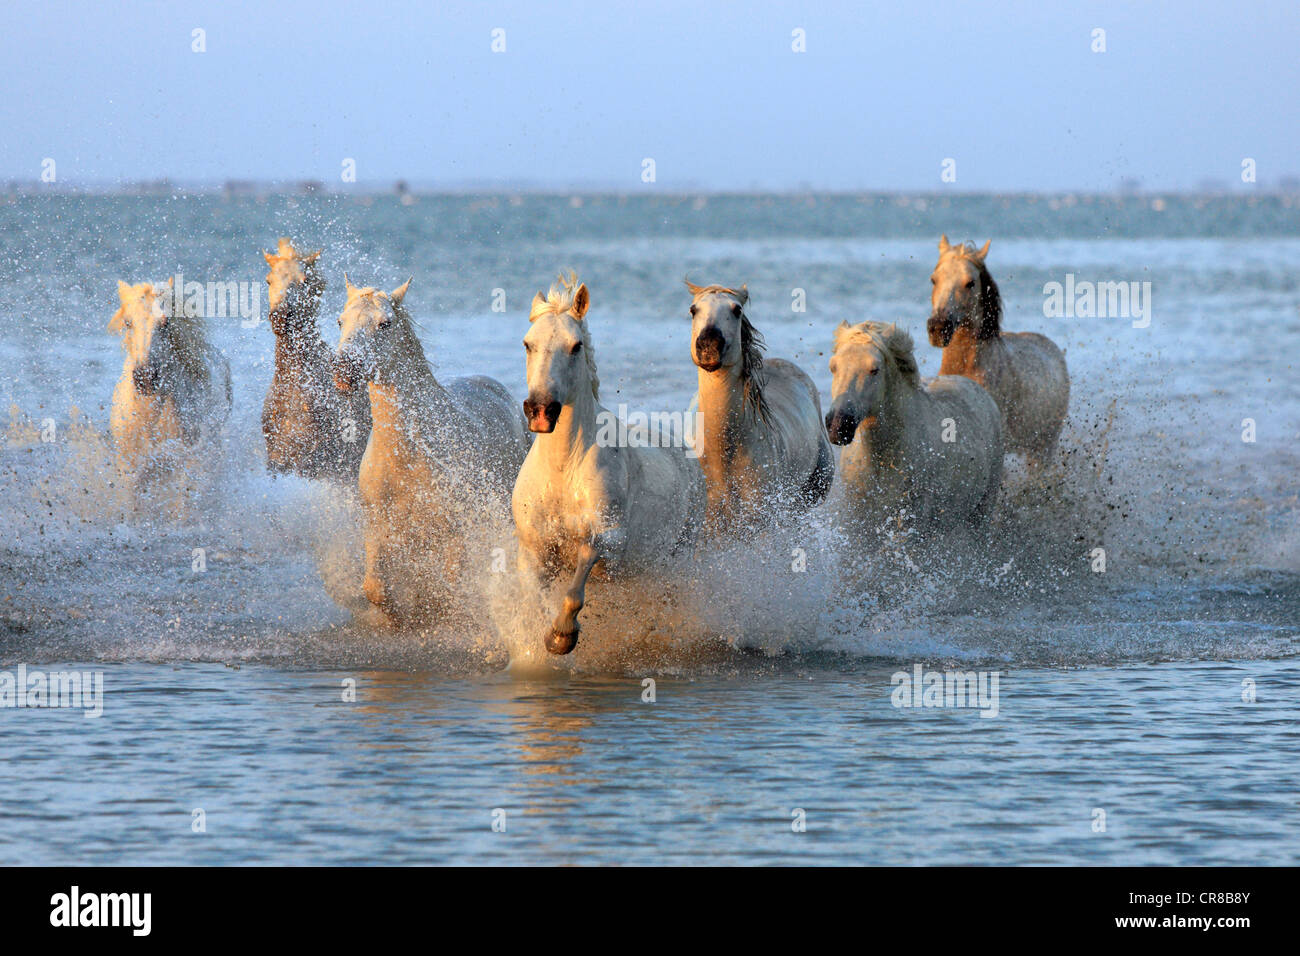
{"x":269,"y":257}
{"x":118,"y":322}
{"x":984,"y":252}
{"x":943,"y":243}
{"x":311,"y":257}
{"x":398,"y":294}
{"x":743,"y":294}
{"x":539,"y":301}
{"x":693,"y":288}
{"x":124,"y":292}
{"x":347,"y":284}
{"x":581,"y":302}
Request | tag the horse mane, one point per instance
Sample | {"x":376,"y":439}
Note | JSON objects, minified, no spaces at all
{"x":752,"y":347}
{"x":891,"y":340}
{"x":189,"y":343}
{"x":990,"y":304}
{"x":560,"y":299}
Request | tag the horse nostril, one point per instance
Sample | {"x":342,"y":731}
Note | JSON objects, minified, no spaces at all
{"x":553,"y":411}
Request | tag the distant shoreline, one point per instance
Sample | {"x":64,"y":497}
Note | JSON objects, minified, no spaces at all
{"x":242,"y":189}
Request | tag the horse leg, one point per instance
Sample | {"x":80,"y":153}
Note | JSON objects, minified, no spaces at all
{"x":818,"y":485}
{"x":374,"y":585}
{"x":564,"y":631}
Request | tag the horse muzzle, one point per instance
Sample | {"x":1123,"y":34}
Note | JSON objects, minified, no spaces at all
{"x":841,"y":426}
{"x":940,"y":329}
{"x":542,"y":416}
{"x":709,"y":346}
{"x":347,"y":373}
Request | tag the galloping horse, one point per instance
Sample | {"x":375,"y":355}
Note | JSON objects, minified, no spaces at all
{"x":175,"y":387}
{"x":764,"y":450}
{"x":579,"y":502}
{"x":929,"y":455}
{"x":437,"y":460}
{"x":1024,"y":372}
{"x":310,"y":428}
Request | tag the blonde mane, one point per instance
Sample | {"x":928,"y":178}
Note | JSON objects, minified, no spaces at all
{"x":561,"y":299}
{"x":890,"y":340}
{"x":751,"y":347}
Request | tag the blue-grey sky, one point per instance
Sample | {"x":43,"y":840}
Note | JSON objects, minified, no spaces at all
{"x":713,"y":92}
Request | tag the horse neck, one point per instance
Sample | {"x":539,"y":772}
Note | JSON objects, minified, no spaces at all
{"x":575,"y":429}
{"x":722,"y":408}
{"x":966,"y":352}
{"x":407,"y":397}
{"x":301,"y":340}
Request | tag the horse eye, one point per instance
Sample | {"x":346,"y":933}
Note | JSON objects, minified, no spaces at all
{"x":933,"y":281}
{"x":970,"y":283}
{"x":577,"y":347}
{"x":875,"y":371}
{"x":694,"y":308}
{"x":735,"y":309}
{"x":528,"y":346}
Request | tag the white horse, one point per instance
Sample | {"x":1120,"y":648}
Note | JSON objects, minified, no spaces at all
{"x":764,"y":450}
{"x":579,"y":502}
{"x":928,"y":455}
{"x":437,"y":459}
{"x":175,"y":387}
{"x":1024,"y":372}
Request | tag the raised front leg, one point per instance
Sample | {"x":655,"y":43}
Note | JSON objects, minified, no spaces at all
{"x":376,"y":582}
{"x":564,"y":631}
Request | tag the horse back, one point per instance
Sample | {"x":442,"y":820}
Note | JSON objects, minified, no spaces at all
{"x":1041,"y":393}
{"x":497,"y":419}
{"x":799,"y":434}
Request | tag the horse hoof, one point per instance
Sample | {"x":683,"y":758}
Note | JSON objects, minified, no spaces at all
{"x":558,"y":643}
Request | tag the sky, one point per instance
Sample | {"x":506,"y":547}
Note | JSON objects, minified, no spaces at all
{"x":713,"y":92}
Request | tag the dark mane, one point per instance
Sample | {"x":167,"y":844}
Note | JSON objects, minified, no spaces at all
{"x":751,"y":367}
{"x":990,"y":306}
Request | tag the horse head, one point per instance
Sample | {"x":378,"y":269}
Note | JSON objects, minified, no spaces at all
{"x":373,"y":327}
{"x":294,"y":287}
{"x":558,"y":355}
{"x":143,"y":320}
{"x":867,"y":361}
{"x":964,"y":295}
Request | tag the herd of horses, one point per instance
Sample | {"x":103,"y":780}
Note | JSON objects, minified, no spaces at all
{"x":371,"y":415}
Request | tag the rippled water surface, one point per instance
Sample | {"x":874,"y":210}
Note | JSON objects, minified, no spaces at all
{"x":1163,"y":690}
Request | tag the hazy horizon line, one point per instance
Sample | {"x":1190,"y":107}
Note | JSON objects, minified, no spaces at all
{"x":1285,"y":185}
